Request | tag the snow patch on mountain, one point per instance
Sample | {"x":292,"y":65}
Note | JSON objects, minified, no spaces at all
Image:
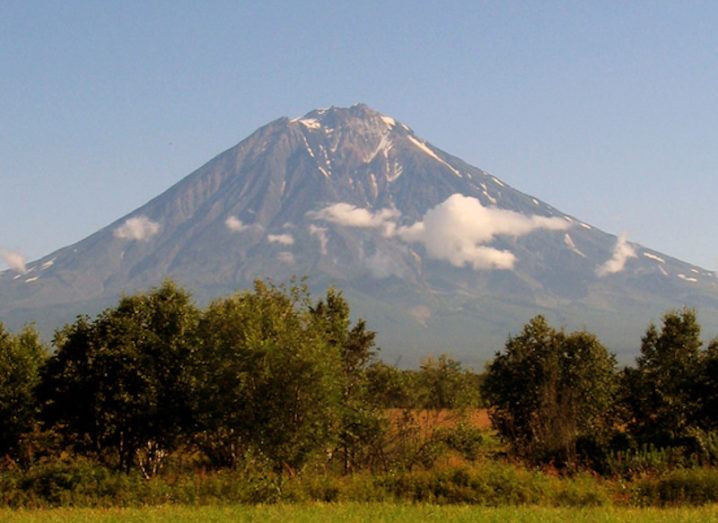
{"x":688,"y":278}
{"x":308,"y":147}
{"x":310,"y":123}
{"x":568,"y":241}
{"x":373,"y":185}
{"x":489,"y":197}
{"x":396,"y":171}
{"x":388,"y":120}
{"x":651,"y":256}
{"x":384,"y":146}
{"x":424,"y":148}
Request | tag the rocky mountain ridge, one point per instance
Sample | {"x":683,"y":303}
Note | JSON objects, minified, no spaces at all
{"x":437,"y":254}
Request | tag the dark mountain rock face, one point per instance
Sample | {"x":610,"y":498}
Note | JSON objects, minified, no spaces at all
{"x":437,"y":254}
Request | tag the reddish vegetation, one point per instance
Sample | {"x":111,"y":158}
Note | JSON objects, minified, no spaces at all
{"x":478,"y":418}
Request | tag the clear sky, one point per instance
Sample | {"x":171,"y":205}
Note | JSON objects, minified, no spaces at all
{"x":606,"y":110}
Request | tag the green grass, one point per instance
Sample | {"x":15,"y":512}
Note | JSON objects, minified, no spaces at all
{"x":353,"y":512}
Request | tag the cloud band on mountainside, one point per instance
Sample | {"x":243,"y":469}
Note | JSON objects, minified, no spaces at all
{"x":349,"y":215}
{"x":458,"y":230}
{"x":622,"y":251}
{"x":139,"y":228}
{"x":14,"y":260}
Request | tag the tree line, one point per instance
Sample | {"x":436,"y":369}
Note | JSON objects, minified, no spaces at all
{"x":271,"y":375}
{"x":266,"y":373}
{"x":560,"y":398}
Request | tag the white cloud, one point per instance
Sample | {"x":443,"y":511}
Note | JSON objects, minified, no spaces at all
{"x":351,"y":216}
{"x":286,"y":257}
{"x":458,"y":230}
{"x":621,"y":252}
{"x":234,"y":224}
{"x":14,"y":260}
{"x":137,"y":228}
{"x":321,"y":234}
{"x":283,"y":239}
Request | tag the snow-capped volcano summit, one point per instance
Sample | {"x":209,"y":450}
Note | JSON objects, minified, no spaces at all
{"x":437,"y":254}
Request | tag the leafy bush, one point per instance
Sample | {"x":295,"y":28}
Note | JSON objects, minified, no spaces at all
{"x":464,"y":439}
{"x":695,"y":486}
{"x":56,"y":483}
{"x":494,"y":484}
{"x":581,"y":490}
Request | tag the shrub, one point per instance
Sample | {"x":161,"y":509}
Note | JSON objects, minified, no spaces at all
{"x":581,"y":490}
{"x":492,"y":484}
{"x":464,"y":439}
{"x":71,"y":482}
{"x":695,"y":486}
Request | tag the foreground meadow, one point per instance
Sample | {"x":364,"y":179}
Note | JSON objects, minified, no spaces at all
{"x":273,"y":407}
{"x":352,"y":512}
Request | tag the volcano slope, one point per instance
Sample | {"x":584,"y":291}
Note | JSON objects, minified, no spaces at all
{"x":437,"y":255}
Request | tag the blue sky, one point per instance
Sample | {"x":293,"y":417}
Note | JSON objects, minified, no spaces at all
{"x":606,"y":110}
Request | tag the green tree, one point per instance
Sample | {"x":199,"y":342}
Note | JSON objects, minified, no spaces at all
{"x":549,"y":389}
{"x":391,"y":387}
{"x":362,"y":421}
{"x":21,"y":356}
{"x":443,"y":384}
{"x":119,"y":386}
{"x":269,"y":381}
{"x":663,"y":390}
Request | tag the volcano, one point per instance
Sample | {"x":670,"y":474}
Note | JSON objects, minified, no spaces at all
{"x":436,"y":254}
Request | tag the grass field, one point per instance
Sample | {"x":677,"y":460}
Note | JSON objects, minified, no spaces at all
{"x":353,"y":512}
